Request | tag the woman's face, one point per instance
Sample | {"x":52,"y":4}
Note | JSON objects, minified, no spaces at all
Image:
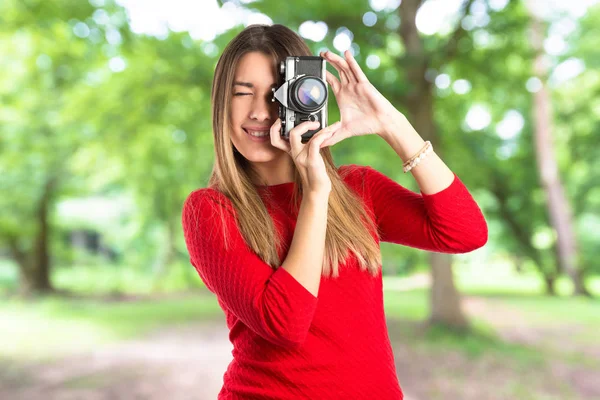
{"x":251,"y":108}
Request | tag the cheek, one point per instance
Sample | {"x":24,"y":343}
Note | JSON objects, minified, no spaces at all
{"x":238,"y":111}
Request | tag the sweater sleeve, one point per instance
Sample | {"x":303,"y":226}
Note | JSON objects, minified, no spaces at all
{"x":449,"y":221}
{"x":270,"y":302}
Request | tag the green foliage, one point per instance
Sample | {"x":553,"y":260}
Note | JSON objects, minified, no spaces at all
{"x":92,"y":109}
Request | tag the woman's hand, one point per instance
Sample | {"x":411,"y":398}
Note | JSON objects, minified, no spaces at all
{"x":363,"y":110}
{"x":307,"y":157}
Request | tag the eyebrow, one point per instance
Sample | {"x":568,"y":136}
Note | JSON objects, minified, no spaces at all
{"x":248,"y":84}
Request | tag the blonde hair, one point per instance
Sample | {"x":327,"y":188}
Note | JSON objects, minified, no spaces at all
{"x":231,"y":174}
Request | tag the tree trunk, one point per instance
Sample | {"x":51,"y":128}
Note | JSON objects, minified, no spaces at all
{"x":520,"y":230}
{"x":34,"y":266}
{"x":41,"y":271}
{"x":445,"y":299}
{"x":549,"y":282}
{"x":171,"y":256}
{"x":518,"y":261}
{"x":165,"y":262}
{"x":557,"y":203}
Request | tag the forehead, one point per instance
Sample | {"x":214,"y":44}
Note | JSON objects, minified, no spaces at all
{"x":256,"y":68}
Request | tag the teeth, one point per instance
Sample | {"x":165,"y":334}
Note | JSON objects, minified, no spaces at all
{"x":258,"y":133}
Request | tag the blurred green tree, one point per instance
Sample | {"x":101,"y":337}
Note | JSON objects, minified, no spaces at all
{"x":47,"y":58}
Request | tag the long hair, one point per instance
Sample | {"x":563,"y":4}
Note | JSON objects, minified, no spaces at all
{"x":231,"y":174}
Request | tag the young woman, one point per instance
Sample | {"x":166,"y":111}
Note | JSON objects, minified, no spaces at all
{"x":289,"y":243}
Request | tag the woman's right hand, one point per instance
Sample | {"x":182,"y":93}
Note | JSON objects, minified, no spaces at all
{"x":306,"y":156}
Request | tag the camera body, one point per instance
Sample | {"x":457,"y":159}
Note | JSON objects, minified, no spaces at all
{"x":303,"y":94}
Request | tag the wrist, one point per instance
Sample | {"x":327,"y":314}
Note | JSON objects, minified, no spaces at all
{"x":316,"y":195}
{"x":403,"y":138}
{"x":393,"y":124}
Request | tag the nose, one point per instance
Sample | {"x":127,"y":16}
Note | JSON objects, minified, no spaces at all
{"x":263,"y":108}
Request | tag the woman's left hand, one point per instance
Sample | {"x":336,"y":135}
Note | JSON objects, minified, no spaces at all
{"x":363,"y":110}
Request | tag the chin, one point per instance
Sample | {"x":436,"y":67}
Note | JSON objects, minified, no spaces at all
{"x":261,"y":156}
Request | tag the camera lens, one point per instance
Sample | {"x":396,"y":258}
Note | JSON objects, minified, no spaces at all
{"x":309,"y":93}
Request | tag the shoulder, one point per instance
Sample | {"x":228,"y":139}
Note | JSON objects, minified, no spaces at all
{"x":206,"y":211}
{"x":199,"y":197}
{"x":350,"y":170}
{"x":207,"y":195}
{"x":205,"y":201}
{"x":354,"y":174}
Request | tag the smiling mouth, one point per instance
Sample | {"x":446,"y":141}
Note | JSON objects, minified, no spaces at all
{"x":261,"y":136}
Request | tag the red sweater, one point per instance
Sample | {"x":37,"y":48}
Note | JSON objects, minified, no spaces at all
{"x":289,"y":344}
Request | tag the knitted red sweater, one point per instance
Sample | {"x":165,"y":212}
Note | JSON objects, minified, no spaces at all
{"x":289,"y":344}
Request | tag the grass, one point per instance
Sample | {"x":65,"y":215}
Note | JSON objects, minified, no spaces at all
{"x":410,"y":305}
{"x":557,"y":310}
{"x":110,"y":279}
{"x":53,"y":326}
{"x":522,"y":371}
{"x":524,"y":293}
{"x":413,"y":306}
{"x":499,"y":278}
{"x":500,"y":285}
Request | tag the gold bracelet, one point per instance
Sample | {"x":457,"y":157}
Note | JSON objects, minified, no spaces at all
{"x":407,"y":162}
{"x":416,"y":159}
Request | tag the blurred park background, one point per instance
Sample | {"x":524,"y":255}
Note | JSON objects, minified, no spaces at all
{"x":105,"y":128}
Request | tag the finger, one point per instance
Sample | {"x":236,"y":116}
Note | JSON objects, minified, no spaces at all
{"x":296,"y":135}
{"x":333,"y":81}
{"x":276,"y":139}
{"x":346,"y":75}
{"x":318,"y":139}
{"x":325,"y":132}
{"x":344,"y":78}
{"x":355,"y":68}
{"x":333,"y":138}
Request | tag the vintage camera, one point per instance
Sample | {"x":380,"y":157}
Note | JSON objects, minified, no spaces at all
{"x":303,"y":95}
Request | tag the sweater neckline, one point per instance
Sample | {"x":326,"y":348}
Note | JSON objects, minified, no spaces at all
{"x":281,"y":191}
{"x":279,"y":186}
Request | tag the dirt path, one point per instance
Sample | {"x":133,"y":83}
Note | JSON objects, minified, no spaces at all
{"x":176,"y":363}
{"x":514,"y":326}
{"x":557,"y":341}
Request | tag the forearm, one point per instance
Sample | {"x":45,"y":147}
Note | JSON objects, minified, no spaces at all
{"x":304,"y":260}
{"x":432,"y":174}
